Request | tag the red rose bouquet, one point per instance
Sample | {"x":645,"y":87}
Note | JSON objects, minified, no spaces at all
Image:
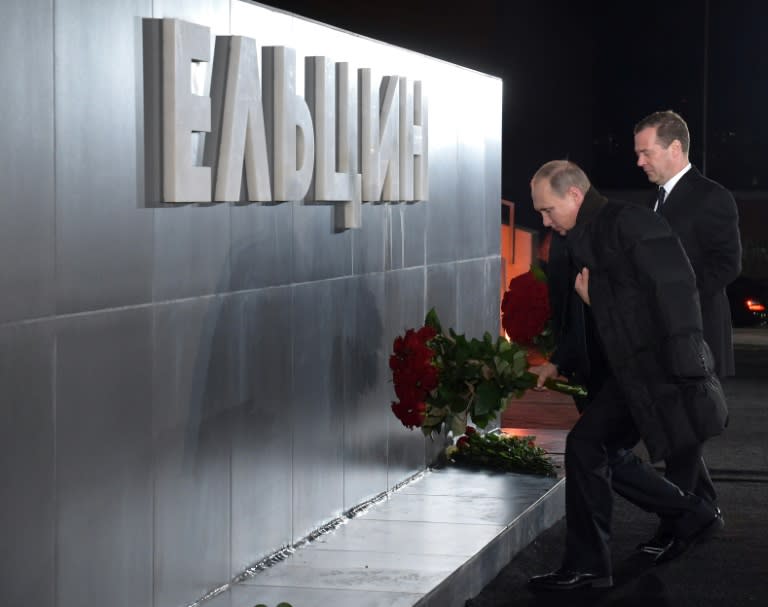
{"x":500,"y":452}
{"x":525,"y":311}
{"x":444,"y":380}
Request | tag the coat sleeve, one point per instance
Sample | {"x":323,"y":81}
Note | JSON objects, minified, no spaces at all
{"x":716,"y":224}
{"x":667,"y":281}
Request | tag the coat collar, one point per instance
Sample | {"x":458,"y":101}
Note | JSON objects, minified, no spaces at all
{"x":590,"y":207}
{"x":593,"y":202}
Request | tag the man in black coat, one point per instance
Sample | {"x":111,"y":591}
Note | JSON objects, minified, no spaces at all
{"x":704,"y":216}
{"x":633,"y":316}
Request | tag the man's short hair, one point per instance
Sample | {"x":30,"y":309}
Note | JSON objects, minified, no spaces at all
{"x":562,"y":174}
{"x":669,"y":126}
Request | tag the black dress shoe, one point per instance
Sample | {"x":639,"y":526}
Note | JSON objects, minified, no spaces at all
{"x":563,"y":579}
{"x":681,"y":544}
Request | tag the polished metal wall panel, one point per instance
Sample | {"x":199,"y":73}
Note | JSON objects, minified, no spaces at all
{"x":478,"y":311}
{"x":194,"y":382}
{"x":195,"y":387}
{"x":442,"y":294}
{"x":408,"y":244}
{"x":319,"y":251}
{"x":262,"y":457}
{"x":478,"y":303}
{"x":367,"y":388}
{"x":27,"y":507}
{"x":404,"y":296}
{"x":319,"y":316}
{"x":372,"y":242}
{"x":103,"y":236}
{"x":394,"y":253}
{"x":414,"y":233}
{"x":261,"y":252}
{"x":27,"y":161}
{"x":473,"y":215}
{"x":492,"y":173}
{"x":191,"y":251}
{"x":442,"y":228}
{"x":103,"y":459}
{"x":212,"y":13}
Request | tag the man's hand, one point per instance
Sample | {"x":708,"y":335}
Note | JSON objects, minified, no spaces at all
{"x":582,"y":285}
{"x":545,"y":372}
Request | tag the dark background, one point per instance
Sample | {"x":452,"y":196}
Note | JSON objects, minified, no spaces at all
{"x":579,"y":74}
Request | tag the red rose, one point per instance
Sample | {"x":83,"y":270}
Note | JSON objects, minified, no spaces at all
{"x":463,"y":442}
{"x":407,"y":393}
{"x":427,"y":333}
{"x":410,"y":415}
{"x":470,"y":430}
{"x":525,"y":308}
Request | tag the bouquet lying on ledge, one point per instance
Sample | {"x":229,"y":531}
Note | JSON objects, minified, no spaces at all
{"x":444,"y":380}
{"x":500,"y":452}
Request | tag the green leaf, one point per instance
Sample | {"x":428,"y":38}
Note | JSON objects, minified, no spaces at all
{"x":458,"y":406}
{"x":538,"y":273}
{"x":519,"y":362}
{"x":431,"y":320}
{"x":488,"y":398}
{"x":481,"y":421}
{"x":502,"y":366}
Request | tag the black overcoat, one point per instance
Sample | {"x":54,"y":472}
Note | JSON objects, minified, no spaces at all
{"x":704,"y":216}
{"x":644,"y":303}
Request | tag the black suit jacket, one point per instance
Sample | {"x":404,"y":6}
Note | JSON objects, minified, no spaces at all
{"x":704,"y":216}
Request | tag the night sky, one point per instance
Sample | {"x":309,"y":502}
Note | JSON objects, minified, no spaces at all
{"x":579,"y":74}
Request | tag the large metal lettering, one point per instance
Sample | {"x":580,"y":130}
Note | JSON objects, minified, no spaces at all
{"x":379,"y":137}
{"x":351,"y":140}
{"x":413,"y":142}
{"x":420,"y":144}
{"x":237,"y":131}
{"x":332,"y":100}
{"x":183,"y":112}
{"x":289,"y":133}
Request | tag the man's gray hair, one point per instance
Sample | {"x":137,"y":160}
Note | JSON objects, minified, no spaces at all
{"x":562,"y":174}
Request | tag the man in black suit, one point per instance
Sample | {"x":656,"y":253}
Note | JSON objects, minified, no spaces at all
{"x":704,"y":216}
{"x":628,"y":324}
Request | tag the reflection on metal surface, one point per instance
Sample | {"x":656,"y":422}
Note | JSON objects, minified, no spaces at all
{"x":283,"y":553}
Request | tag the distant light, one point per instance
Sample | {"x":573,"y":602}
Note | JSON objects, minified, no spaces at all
{"x":754,"y":305}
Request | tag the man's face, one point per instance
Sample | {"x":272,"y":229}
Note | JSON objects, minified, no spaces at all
{"x":557,"y":212}
{"x":659,"y":164}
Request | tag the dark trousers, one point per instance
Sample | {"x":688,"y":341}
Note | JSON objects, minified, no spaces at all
{"x":598,"y":461}
{"x":689,"y":472}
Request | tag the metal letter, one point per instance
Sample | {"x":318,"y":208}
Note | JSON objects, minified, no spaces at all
{"x":406,"y":141}
{"x":332,"y":101}
{"x":420,"y":143}
{"x":288,"y":125}
{"x":184,"y":112}
{"x":238,"y":122}
{"x":380,"y":137}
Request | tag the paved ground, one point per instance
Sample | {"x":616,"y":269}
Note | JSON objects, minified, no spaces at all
{"x":729,"y":570}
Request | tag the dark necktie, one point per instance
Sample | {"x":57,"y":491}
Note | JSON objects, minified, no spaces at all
{"x":660,"y":198}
